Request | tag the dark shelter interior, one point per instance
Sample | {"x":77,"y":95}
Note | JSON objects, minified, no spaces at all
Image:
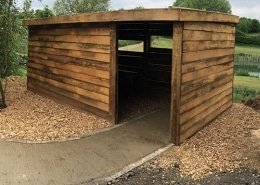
{"x":144,"y":65}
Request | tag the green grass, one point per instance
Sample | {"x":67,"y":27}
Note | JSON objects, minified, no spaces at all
{"x":247,"y":49}
{"x":247,"y":82}
{"x":162,"y":43}
{"x":245,"y":87}
{"x":21,"y":72}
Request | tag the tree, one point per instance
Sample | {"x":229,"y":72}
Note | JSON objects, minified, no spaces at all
{"x":255,"y":26}
{"x":247,"y":25}
{"x":209,"y":5}
{"x":139,"y":8}
{"x":46,"y":12}
{"x":244,"y":25}
{"x":64,"y":7}
{"x":13,"y":41}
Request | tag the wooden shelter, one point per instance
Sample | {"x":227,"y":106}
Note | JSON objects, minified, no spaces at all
{"x":75,"y":59}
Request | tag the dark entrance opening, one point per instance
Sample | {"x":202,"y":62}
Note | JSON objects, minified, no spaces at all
{"x":144,"y":66}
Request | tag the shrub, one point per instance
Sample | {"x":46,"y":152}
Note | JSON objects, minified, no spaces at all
{"x":244,"y":94}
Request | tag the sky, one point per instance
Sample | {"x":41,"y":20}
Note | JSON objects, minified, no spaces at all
{"x":242,"y":8}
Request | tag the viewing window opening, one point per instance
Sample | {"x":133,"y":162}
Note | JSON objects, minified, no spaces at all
{"x":131,"y":45}
{"x":163,"y":42}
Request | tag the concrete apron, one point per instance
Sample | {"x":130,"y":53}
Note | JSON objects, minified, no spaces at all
{"x":84,"y":160}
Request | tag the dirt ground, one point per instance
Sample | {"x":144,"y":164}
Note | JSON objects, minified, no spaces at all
{"x":227,"y":151}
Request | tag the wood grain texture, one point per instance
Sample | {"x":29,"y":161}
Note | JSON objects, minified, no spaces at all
{"x":176,"y":83}
{"x":70,"y":68}
{"x":34,"y":56}
{"x":165,"y":14}
{"x":113,"y":95}
{"x":64,"y":97}
{"x":206,"y":71}
{"x":210,"y":114}
{"x":206,"y":54}
{"x":205,"y":89}
{"x":207,"y":74}
{"x":98,"y":48}
{"x":189,"y":46}
{"x":72,"y":63}
{"x":211,"y":26}
{"x":212,"y":78}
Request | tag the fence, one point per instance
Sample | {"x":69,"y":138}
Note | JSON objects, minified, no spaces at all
{"x":247,"y":60}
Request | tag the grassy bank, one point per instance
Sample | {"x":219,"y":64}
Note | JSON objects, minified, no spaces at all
{"x":245,"y":87}
{"x":247,"y":49}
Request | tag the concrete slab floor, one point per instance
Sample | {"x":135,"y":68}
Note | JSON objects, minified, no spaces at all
{"x":80,"y":161}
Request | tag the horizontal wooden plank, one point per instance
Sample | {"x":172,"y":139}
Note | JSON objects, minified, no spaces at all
{"x":202,"y":55}
{"x":163,"y":14}
{"x":207,"y":16}
{"x":71,"y":25}
{"x":191,"y":35}
{"x":72,"y":38}
{"x":97,"y":48}
{"x":70,"y":60}
{"x":62,"y":96}
{"x":210,"y":114}
{"x":70,"y":68}
{"x":89,"y":31}
{"x":188,"y":108}
{"x":210,"y":26}
{"x":205,"y":89}
{"x":189,"y":46}
{"x":70,"y":88}
{"x":104,"y":57}
{"x":74,"y":82}
{"x":198,"y":112}
{"x":194,"y":75}
{"x":197,"y":65}
{"x":195,"y":84}
{"x":73,"y":75}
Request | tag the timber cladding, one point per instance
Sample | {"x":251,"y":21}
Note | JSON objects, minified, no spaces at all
{"x":206,"y":74}
{"x":75,"y":59}
{"x":71,"y":63}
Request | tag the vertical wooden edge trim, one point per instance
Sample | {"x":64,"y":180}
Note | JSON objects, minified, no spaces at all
{"x":176,"y":83}
{"x":113,"y":76}
{"x":233,"y":77}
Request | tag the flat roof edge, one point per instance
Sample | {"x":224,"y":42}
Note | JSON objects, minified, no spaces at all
{"x":166,"y":14}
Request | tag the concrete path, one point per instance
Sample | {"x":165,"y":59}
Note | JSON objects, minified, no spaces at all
{"x":80,"y":161}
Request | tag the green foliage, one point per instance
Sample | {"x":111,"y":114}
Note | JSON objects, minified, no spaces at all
{"x":240,"y":93}
{"x":64,"y":7}
{"x":139,"y":8}
{"x":245,"y":88}
{"x":209,"y":5}
{"x":46,"y":12}
{"x":247,"y":38}
{"x":244,"y":29}
{"x":21,"y":72}
{"x":13,"y":40}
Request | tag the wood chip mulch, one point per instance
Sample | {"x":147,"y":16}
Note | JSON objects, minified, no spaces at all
{"x":229,"y":142}
{"x":33,"y":118}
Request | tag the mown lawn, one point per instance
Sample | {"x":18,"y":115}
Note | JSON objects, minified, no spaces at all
{"x":247,"y":49}
{"x":245,"y":87}
{"x":247,"y":82}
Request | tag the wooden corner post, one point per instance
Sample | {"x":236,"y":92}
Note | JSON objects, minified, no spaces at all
{"x":113,"y":75}
{"x":176,"y":83}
